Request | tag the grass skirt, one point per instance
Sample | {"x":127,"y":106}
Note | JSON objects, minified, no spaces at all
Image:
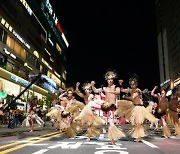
{"x":138,"y":131}
{"x":172,"y":119}
{"x":114,"y":133}
{"x":88,"y":118}
{"x":166,"y":131}
{"x":73,"y":129}
{"x":92,"y":131}
{"x":123,"y":106}
{"x":54,"y":114}
{"x":136,"y":115}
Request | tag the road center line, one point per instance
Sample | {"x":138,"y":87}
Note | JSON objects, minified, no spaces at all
{"x":27,"y":144}
{"x":27,"y":140}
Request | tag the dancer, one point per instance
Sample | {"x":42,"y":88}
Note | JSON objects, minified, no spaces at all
{"x":153,"y":108}
{"x":72,"y":109}
{"x":173,"y":111}
{"x":137,"y":113}
{"x":161,"y":109}
{"x":109,"y":104}
{"x":123,"y":104}
{"x":87,"y":118}
{"x":32,"y":116}
{"x":56,"y":118}
{"x":93,"y":100}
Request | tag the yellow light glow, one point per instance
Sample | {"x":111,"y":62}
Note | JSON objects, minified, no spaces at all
{"x":10,"y":29}
{"x":25,"y":64}
{"x":7,"y":25}
{"x":177,"y":82}
{"x":3,"y":21}
{"x":58,"y":48}
{"x":36,"y":54}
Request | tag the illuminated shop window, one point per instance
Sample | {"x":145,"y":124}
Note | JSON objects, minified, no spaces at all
{"x":10,"y":42}
{"x":23,"y":53}
{"x":41,"y":68}
{"x":17,"y":48}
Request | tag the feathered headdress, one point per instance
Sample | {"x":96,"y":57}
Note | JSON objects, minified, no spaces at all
{"x":112,"y":74}
{"x":135,"y":78}
{"x":87,"y":85}
{"x":70,"y":88}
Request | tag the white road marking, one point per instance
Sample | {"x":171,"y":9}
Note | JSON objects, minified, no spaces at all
{"x":159,"y":138}
{"x":67,"y":145}
{"x":40,"y":144}
{"x":40,"y":151}
{"x":94,"y":143}
{"x":111,"y":151}
{"x":149,"y":144}
{"x":55,"y":146}
{"x":111,"y":147}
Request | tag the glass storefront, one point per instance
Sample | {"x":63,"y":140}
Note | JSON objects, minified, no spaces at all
{"x":9,"y":87}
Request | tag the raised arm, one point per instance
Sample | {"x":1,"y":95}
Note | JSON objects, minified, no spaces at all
{"x":95,"y":90}
{"x":77,"y":91}
{"x":62,"y":96}
{"x":152,"y":92}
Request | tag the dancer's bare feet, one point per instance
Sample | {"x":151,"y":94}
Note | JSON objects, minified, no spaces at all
{"x":138,"y":140}
{"x":113,"y":142}
{"x":88,"y":139}
{"x":31,"y":131}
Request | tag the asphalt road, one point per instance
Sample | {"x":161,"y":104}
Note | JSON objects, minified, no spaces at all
{"x":49,"y":141}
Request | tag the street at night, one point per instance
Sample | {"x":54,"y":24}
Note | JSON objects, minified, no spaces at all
{"x":47,"y":140}
{"x":89,"y":77}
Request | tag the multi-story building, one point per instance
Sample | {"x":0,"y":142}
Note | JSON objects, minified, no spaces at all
{"x":168,"y":33}
{"x":31,"y":42}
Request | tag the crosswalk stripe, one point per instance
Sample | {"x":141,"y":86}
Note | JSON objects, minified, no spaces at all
{"x":149,"y":144}
{"x":40,"y":151}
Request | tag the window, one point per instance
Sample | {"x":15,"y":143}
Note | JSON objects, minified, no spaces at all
{"x":10,"y":42}
{"x":17,"y":48}
{"x":9,"y":67}
{"x":23,"y":53}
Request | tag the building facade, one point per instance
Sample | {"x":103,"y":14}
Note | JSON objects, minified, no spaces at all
{"x":32,"y":41}
{"x":168,"y":35}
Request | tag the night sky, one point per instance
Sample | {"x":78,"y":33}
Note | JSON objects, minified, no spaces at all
{"x":110,"y":34}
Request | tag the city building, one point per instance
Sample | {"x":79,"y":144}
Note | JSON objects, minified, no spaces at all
{"x":168,"y":35}
{"x":32,"y":41}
